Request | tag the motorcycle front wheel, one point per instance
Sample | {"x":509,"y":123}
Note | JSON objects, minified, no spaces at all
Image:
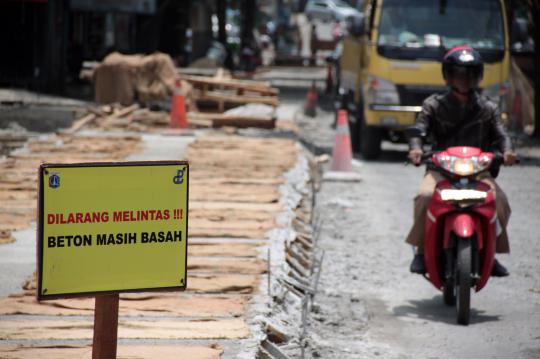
{"x":463,"y":281}
{"x":449,"y":293}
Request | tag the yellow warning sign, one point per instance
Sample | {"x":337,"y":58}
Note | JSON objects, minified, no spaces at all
{"x":112,"y":227}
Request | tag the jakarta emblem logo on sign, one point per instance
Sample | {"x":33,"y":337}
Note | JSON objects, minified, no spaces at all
{"x":112,"y":228}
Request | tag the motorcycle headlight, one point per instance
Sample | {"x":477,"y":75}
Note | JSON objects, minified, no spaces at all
{"x":381,"y":92}
{"x":463,"y":166}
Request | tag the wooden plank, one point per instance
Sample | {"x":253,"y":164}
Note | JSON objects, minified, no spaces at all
{"x":151,"y":350}
{"x":216,"y":97}
{"x":199,"y":122}
{"x":255,"y":86}
{"x":80,"y":123}
{"x":244,"y":122}
{"x":221,"y":120}
{"x":41,"y":330}
{"x":108,"y":121}
{"x":276,"y":333}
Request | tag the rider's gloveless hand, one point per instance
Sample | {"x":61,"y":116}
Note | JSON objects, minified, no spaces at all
{"x":415,"y":155}
{"x":510,"y":158}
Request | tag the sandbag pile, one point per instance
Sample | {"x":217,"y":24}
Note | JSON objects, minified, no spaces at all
{"x":126,"y":78}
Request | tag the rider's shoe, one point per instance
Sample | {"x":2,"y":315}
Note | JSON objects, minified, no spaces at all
{"x":417,"y":265}
{"x":499,"y":270}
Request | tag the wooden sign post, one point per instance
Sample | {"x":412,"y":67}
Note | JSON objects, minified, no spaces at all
{"x":110,"y":228}
{"x":105,"y":326}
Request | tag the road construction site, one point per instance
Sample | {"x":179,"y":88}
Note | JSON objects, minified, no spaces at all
{"x":283,"y":262}
{"x":251,"y":246}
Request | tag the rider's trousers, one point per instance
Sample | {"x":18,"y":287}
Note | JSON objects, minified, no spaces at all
{"x":421,"y":201}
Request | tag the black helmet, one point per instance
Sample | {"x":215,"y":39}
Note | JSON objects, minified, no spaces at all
{"x":463,"y":60}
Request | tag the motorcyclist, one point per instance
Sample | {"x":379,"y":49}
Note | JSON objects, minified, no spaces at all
{"x":460,"y":117}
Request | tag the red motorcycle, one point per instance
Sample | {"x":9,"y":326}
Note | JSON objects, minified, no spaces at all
{"x":460,"y":233}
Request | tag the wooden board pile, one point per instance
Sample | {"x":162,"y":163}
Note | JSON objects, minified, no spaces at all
{"x":222,"y":92}
{"x":233,"y":102}
{"x":116,"y":117}
{"x":18,"y":171}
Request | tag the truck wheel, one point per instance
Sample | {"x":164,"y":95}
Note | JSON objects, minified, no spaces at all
{"x":370,"y":142}
{"x":463,"y":276}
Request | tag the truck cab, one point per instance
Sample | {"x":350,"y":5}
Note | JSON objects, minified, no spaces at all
{"x":391,"y":61}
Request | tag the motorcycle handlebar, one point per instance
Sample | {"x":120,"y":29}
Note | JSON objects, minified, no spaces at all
{"x":425,"y":159}
{"x":497,"y":162}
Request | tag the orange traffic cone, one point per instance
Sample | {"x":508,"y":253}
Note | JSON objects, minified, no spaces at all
{"x":178,"y":107}
{"x":342,"y":153}
{"x":310,"y":108}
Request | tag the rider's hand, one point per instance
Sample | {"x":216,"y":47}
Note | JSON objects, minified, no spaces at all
{"x":510,"y":158}
{"x":415,"y":155}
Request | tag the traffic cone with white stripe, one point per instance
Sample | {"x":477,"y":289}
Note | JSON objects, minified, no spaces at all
{"x":342,"y":153}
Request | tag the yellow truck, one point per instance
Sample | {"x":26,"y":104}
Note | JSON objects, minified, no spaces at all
{"x":391,"y":61}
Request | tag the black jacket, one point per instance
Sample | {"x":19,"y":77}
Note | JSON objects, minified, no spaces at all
{"x":448,"y":123}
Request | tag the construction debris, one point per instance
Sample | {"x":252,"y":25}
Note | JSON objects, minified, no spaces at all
{"x":238,"y":103}
{"x":123,"y":79}
{"x":251,"y":110}
{"x":236,"y":119}
{"x":221,"y":92}
{"x":294,"y":283}
{"x":236,"y":195}
{"x":135,"y":119}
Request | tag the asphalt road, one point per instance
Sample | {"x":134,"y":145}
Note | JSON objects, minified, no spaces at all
{"x":370,"y":306}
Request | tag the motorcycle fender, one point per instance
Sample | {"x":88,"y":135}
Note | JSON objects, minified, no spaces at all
{"x":462,"y":224}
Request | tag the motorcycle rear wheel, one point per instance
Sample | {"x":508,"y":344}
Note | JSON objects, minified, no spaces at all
{"x":463,"y":281}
